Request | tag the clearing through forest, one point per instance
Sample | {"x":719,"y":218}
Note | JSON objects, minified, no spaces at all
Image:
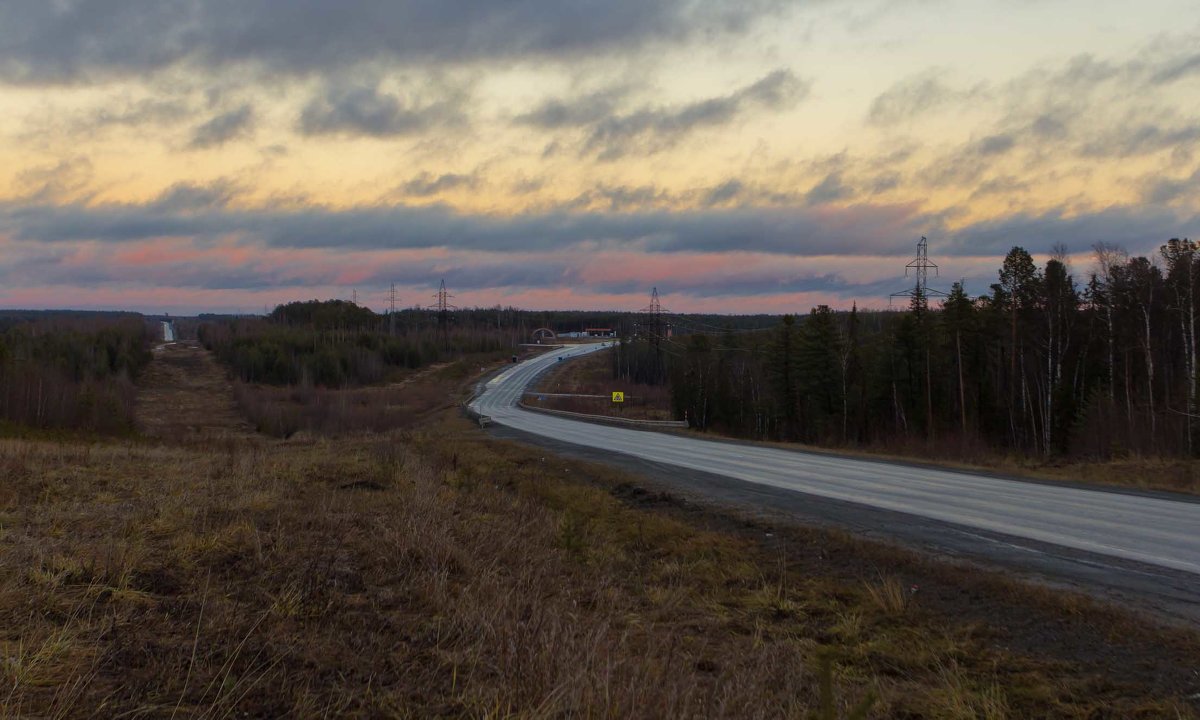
{"x":186,"y":394}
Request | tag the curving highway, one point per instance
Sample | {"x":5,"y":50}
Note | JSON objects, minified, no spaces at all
{"x":1143,"y":528}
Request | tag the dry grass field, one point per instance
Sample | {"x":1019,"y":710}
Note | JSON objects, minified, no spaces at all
{"x":438,"y":572}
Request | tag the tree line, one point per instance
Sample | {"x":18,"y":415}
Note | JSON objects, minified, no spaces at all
{"x":337,"y":344}
{"x":1047,"y":362}
{"x":71,"y":371}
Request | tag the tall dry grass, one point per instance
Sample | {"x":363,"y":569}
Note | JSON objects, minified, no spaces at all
{"x":282,"y":412}
{"x":320,"y":580}
{"x":442,"y":574}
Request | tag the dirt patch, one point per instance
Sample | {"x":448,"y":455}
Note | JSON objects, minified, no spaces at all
{"x":185,"y":395}
{"x":420,"y":375}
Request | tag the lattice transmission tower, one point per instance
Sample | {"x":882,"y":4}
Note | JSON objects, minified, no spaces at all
{"x":654,"y":327}
{"x":443,"y":306}
{"x":392,"y":310}
{"x":919,"y":267}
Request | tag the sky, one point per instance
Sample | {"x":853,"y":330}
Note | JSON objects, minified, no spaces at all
{"x":743,"y":156}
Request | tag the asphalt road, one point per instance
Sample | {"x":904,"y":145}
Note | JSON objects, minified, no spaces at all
{"x":1152,"y":540}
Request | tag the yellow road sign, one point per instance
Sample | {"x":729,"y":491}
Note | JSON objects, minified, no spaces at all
{"x":618,"y":396}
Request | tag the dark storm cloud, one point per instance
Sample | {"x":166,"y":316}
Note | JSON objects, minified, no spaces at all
{"x":612,"y":133}
{"x":224,"y":127}
{"x":367,"y":109}
{"x":76,"y":40}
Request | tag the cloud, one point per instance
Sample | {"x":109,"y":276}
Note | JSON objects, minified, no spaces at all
{"x":584,"y":110}
{"x":1177,"y":70}
{"x":185,"y":197}
{"x":131,"y":113}
{"x":1003,"y":185}
{"x":1164,"y":190}
{"x":723,"y":193}
{"x":829,"y":189}
{"x":885,"y":182}
{"x":65,"y":181}
{"x":223,"y":127}
{"x":206,"y":212}
{"x":914,"y":97}
{"x":189,"y":243}
{"x":621,"y":198}
{"x":427,"y":184}
{"x":367,"y":109}
{"x":1140,"y":229}
{"x":996,"y":144}
{"x":655,"y":127}
{"x":1086,"y":107}
{"x":44,"y":42}
{"x":612,"y":133}
{"x":1143,"y":138}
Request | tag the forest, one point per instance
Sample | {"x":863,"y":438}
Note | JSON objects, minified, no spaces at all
{"x":337,"y":344}
{"x":1048,"y":362}
{"x":72,"y":371}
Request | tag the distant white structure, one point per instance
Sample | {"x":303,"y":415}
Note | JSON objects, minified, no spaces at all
{"x":589,"y":332}
{"x":168,"y":331}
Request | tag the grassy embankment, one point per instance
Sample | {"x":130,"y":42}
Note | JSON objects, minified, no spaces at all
{"x":443,"y":573}
{"x":592,"y":375}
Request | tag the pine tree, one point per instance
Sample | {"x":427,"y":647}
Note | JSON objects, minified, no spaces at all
{"x":958,"y":317}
